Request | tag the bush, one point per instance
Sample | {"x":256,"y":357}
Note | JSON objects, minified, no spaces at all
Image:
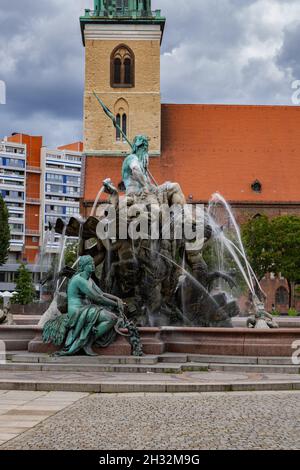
{"x":276,"y":313}
{"x":4,"y":232}
{"x":25,"y":290}
{"x":292,"y":312}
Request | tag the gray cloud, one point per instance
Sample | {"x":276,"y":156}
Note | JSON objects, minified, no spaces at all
{"x":214,"y":51}
{"x":42,"y":61}
{"x":227,"y":51}
{"x":289,"y":56}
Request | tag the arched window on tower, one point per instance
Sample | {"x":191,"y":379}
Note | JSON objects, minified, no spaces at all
{"x":124,"y":124}
{"x":118,"y":133}
{"x":127,"y":71}
{"x":121,"y":111}
{"x":117,"y":71}
{"x":122,"y":67}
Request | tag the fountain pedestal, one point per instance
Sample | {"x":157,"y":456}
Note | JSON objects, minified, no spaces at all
{"x":204,"y":341}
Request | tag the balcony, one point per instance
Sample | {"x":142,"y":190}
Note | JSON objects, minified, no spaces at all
{"x":32,"y":200}
{"x":32,"y":233}
{"x":17,"y":155}
{"x":7,"y":286}
{"x":33,"y":169}
{"x":16,"y":246}
{"x":14,"y":199}
{"x":16,"y":220}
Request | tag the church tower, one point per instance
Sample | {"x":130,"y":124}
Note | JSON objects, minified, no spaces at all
{"x":122,"y":41}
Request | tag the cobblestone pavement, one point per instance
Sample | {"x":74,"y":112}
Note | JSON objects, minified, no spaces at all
{"x":238,"y":420}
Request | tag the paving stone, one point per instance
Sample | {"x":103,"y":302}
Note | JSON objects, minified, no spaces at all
{"x":23,"y":395}
{"x":14,"y":429}
{"x":25,"y":413}
{"x":198,"y":421}
{"x":20,"y":422}
{"x":5,"y":436}
{"x":17,"y":416}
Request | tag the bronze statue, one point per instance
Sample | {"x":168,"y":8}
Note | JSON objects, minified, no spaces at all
{"x":92,"y":315}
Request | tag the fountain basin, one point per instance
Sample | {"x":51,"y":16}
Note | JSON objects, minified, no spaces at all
{"x":207,"y":341}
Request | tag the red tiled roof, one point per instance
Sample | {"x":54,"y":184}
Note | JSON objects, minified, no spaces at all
{"x":209,"y":148}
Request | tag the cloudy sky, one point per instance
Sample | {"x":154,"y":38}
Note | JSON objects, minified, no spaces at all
{"x":214,"y":51}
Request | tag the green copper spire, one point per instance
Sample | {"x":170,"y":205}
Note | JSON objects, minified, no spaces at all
{"x":122,"y":11}
{"x":122,"y":7}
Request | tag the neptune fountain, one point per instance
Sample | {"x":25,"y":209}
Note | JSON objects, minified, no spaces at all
{"x":142,"y":263}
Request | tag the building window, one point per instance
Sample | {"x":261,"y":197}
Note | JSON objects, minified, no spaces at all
{"x":122,"y":67}
{"x":124,"y":124}
{"x":121,"y":124}
{"x":282,"y":296}
{"x":127,"y":71}
{"x":256,"y":186}
{"x":118,"y":133}
{"x":121,"y":111}
{"x":117,"y":71}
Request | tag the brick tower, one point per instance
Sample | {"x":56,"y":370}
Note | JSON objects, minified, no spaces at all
{"x":122,"y":40}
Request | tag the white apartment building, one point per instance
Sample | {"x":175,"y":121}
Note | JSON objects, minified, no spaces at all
{"x":61,"y":187}
{"x":13,"y":190}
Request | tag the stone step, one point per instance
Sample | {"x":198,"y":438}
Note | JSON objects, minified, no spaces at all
{"x":16,"y":344}
{"x":155,"y":386}
{"x":246,"y":368}
{"x":167,"y":358}
{"x":25,"y":322}
{"x":26,"y":319}
{"x":171,"y":368}
{"x":239,"y":360}
{"x":26,"y":358}
{"x":95,"y":368}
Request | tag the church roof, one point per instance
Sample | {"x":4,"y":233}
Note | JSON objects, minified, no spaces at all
{"x":209,"y":148}
{"x":224,"y":148}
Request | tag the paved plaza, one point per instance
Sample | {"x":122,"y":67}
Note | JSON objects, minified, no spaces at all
{"x":237,"y":420}
{"x":22,"y":410}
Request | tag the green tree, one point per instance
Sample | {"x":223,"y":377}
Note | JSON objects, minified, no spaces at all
{"x":4,"y":232}
{"x":258,"y":240}
{"x":71,"y":254}
{"x":286,"y":247}
{"x":274,"y":246}
{"x":25,"y":291}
